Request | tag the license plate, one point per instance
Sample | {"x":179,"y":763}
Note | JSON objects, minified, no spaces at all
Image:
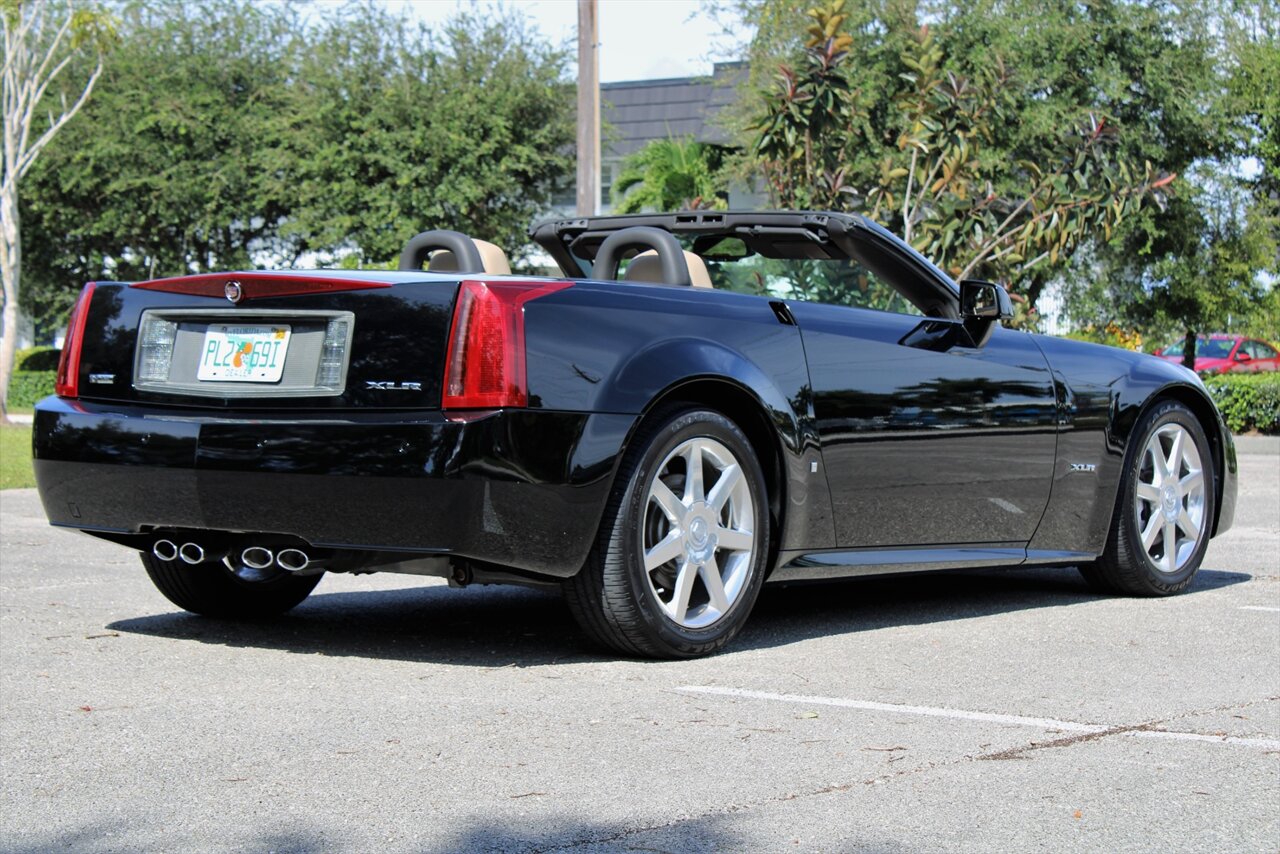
{"x":245,"y":354}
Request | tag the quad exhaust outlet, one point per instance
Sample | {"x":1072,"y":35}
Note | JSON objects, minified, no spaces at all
{"x":189,"y":553}
{"x":292,"y":560}
{"x":257,"y":557}
{"x":254,"y":557}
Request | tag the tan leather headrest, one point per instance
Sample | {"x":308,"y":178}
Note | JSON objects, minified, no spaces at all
{"x":493,"y":258}
{"x":647,"y":267}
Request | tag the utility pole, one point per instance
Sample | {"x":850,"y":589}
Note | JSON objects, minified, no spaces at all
{"x":588,"y":109}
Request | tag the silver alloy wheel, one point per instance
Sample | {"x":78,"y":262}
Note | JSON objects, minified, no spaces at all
{"x":698,"y":533}
{"x":1170,"y":499}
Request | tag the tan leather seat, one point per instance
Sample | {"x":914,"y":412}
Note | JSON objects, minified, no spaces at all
{"x":647,"y":267}
{"x":494,"y":260}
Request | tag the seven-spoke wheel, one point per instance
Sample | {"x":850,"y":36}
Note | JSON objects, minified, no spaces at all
{"x":1169,"y":500}
{"x":698,"y":533}
{"x":1161,"y":526}
{"x":680,"y":555}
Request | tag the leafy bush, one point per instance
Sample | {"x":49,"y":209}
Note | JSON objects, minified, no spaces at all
{"x":34,"y":373}
{"x":26,"y":387}
{"x":1248,"y":401}
{"x":37,"y":359}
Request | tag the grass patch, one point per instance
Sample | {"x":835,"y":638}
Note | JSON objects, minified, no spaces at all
{"x":15,"y":456}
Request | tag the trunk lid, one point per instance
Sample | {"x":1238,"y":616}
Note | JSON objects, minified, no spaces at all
{"x":252,"y":340}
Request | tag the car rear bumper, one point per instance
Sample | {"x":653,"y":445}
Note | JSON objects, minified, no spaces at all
{"x":520,"y":488}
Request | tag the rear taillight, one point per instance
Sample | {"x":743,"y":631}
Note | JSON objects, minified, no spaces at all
{"x":485,"y":366}
{"x":68,"y":381}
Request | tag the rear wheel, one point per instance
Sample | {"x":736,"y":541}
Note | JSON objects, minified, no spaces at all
{"x":227,"y":588}
{"x":681,"y":552}
{"x":1164,"y":513}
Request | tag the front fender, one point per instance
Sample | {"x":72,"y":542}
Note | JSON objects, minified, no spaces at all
{"x":1102,"y":393}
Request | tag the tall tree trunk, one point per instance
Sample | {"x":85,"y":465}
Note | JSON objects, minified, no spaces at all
{"x":1189,"y":350}
{"x":10,"y":266}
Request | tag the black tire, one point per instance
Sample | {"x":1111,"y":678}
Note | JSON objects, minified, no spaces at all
{"x":213,"y":590}
{"x":1127,"y":566}
{"x":617,"y":602}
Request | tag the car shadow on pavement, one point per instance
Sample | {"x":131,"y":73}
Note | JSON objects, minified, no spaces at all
{"x":137,"y":835}
{"x":707,"y":833}
{"x":791,"y":612}
{"x":505,"y":626}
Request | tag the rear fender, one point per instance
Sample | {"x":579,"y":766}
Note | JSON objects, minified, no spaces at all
{"x":708,"y":373}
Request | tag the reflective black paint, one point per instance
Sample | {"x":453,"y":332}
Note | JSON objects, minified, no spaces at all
{"x":399,"y":337}
{"x":892,"y":442}
{"x":522,"y":489}
{"x":927,"y":440}
{"x":629,"y":348}
{"x":1102,"y":391}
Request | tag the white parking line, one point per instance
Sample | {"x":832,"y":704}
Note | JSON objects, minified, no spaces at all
{"x":961,"y":714}
{"x":1258,"y":608}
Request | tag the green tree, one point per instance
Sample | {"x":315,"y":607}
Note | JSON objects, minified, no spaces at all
{"x":41,"y":92}
{"x":1253,"y":42}
{"x":671,"y":174}
{"x":1099,"y":85}
{"x":399,"y":129}
{"x":929,"y":156}
{"x":1205,"y":264}
{"x":1215,"y":274}
{"x":173,"y":167}
{"x":231,"y":133}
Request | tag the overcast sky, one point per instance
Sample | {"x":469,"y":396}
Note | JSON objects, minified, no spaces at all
{"x":639,"y":39}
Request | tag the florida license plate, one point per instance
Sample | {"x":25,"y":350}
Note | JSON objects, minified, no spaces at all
{"x":248,"y":354}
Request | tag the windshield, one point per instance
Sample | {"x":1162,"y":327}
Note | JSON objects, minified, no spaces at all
{"x":1206,"y":348}
{"x":839,"y":282}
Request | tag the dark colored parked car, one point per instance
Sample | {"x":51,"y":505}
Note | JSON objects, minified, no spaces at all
{"x":1226,"y":354}
{"x":702,"y":402}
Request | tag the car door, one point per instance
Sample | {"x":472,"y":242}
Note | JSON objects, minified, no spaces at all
{"x":1263,"y":357}
{"x":928,"y":439}
{"x":1240,"y":359}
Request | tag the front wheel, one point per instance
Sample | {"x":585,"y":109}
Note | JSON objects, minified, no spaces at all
{"x":681,"y":552}
{"x":227,"y":588}
{"x":1164,"y":512}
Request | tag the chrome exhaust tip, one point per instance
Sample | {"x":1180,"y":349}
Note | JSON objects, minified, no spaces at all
{"x":165,"y":550}
{"x":293,"y":560}
{"x":192,"y":553}
{"x":257,"y":557}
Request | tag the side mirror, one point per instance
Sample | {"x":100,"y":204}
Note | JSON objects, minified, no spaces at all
{"x":981,"y":300}
{"x":1242,"y":356}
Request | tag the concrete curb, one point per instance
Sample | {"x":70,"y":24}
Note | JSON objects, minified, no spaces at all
{"x":1257,"y":444}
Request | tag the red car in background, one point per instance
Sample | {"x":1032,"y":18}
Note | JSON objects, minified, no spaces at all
{"x":1227,"y":354}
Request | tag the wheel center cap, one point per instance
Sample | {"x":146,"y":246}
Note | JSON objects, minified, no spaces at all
{"x":699,"y":530}
{"x":1170,"y":503}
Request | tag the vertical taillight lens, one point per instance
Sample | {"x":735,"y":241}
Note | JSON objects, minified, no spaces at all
{"x":485,"y":366}
{"x":68,"y":381}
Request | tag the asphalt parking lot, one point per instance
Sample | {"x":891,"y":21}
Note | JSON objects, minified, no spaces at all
{"x":983,"y":711}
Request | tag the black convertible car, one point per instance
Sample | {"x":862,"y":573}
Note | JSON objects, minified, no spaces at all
{"x":702,"y":402}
